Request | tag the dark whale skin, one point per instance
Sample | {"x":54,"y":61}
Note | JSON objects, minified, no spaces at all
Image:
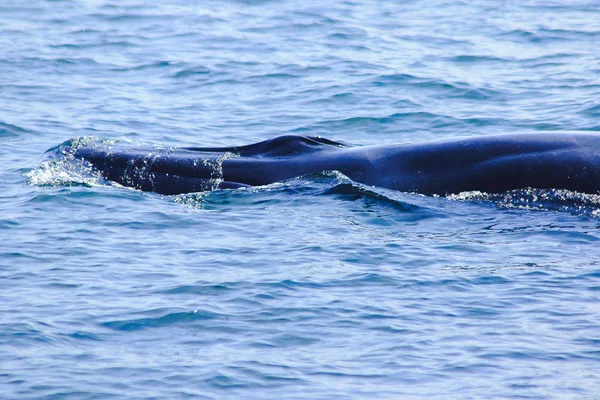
{"x":492,"y":164}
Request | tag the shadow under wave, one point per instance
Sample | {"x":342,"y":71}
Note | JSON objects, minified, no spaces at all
{"x":336,"y":185}
{"x":314,"y":189}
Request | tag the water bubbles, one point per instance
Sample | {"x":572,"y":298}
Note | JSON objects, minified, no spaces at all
{"x":67,"y":170}
{"x":64,"y":172}
{"x":538,"y":199}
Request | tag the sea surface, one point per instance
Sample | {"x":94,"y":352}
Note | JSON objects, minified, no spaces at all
{"x":313,"y":288}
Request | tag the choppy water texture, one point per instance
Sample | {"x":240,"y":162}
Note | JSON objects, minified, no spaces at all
{"x":316,"y":287}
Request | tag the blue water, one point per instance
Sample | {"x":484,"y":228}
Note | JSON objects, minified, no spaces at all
{"x":317,"y":287}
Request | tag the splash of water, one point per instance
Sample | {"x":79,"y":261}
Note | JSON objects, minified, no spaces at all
{"x":66,"y":169}
{"x":539,"y":199}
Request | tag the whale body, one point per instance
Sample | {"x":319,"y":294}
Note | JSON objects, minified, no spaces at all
{"x":491,"y":164}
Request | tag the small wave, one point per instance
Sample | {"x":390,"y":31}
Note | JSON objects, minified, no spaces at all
{"x":438,"y":40}
{"x":85,"y":31}
{"x":193,"y":71}
{"x":363,"y":279}
{"x":469,"y":58}
{"x":143,"y":67}
{"x":118,"y":44}
{"x":76,"y":61}
{"x":384,"y":202}
{"x":592,"y":110}
{"x":83,"y":335}
{"x":450,"y":89}
{"x":10,"y":130}
{"x":539,"y":199}
{"x":123,"y":18}
{"x":354,"y":192}
{"x":569,"y":33}
{"x":412,"y":117}
{"x":199,"y":289}
{"x":274,"y":76}
{"x":307,"y":185}
{"x":26,"y":332}
{"x":58,"y":62}
{"x":407,"y":79}
{"x":160,"y":321}
{"x":539,"y":36}
{"x":547,"y":60}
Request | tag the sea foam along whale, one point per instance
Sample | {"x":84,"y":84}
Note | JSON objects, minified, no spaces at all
{"x":490,"y":164}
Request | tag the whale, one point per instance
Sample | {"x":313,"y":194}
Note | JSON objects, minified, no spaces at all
{"x":492,"y":164}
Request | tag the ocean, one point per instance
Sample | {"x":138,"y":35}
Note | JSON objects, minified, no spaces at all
{"x":317,"y":287}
